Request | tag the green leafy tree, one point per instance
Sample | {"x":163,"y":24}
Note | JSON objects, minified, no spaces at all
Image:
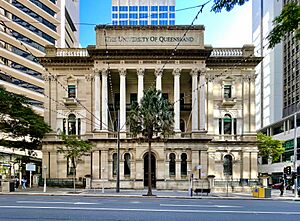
{"x":74,"y":149}
{"x":287,"y":22}
{"x":268,"y":147}
{"x":152,"y":117}
{"x":21,"y":127}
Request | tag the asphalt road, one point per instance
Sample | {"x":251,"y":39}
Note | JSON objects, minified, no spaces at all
{"x":153,"y":209}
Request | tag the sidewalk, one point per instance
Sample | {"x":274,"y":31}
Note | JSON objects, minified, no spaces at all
{"x":139,"y":193}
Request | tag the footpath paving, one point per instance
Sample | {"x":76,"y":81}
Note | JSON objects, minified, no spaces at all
{"x":50,"y":191}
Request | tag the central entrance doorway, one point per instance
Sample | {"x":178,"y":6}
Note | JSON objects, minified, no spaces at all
{"x":153,"y":170}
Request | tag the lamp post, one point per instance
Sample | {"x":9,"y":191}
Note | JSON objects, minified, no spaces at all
{"x":45,"y":177}
{"x":295,"y":151}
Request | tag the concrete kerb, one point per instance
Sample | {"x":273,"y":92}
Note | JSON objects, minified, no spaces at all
{"x":117,"y":195}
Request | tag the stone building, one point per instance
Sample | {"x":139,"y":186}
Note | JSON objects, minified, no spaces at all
{"x":212,"y":89}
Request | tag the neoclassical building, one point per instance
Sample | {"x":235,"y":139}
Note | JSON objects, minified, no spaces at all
{"x":212,"y":91}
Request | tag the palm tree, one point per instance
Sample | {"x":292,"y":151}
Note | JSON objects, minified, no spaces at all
{"x":152,"y":117}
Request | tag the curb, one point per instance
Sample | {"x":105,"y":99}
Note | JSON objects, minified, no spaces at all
{"x":147,"y":197}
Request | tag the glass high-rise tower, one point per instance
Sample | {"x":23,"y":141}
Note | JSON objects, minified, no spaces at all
{"x":143,"y":12}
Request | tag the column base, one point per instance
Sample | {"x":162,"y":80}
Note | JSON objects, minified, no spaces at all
{"x":177,"y":133}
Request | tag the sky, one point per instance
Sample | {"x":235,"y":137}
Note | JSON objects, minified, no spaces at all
{"x":226,"y":29}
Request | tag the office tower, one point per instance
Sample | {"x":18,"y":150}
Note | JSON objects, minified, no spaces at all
{"x":26,"y":27}
{"x":269,"y":72}
{"x":143,"y":12}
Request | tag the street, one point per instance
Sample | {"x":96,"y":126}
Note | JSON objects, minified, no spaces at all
{"x":13,"y":207}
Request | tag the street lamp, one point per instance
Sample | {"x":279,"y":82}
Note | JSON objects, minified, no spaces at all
{"x":45,"y":177}
{"x":295,"y":151}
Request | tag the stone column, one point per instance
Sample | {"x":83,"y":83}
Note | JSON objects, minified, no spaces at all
{"x":158,"y":74}
{"x":140,"y":74}
{"x":122,"y":73}
{"x":178,"y":169}
{"x":104,"y":165}
{"x":176,"y":74}
{"x":96,"y":165}
{"x":97,"y":95}
{"x":104,"y":100}
{"x":202,"y":100}
{"x":194,"y":74}
{"x":246,"y":165}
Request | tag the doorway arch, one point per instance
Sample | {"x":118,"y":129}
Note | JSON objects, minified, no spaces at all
{"x":153,"y":170}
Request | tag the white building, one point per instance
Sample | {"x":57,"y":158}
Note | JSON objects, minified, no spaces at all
{"x":143,"y":12}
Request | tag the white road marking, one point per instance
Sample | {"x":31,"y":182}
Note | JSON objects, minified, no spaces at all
{"x":56,"y":202}
{"x":152,"y":210}
{"x":215,"y":206}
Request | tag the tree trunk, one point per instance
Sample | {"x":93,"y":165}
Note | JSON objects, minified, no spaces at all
{"x":74,"y":180}
{"x":149,"y":170}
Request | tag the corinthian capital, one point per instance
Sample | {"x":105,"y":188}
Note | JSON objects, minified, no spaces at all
{"x":140,"y":71}
{"x":122,"y":72}
{"x":176,"y":72}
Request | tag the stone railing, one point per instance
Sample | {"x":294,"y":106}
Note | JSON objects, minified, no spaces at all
{"x":227,"y":52}
{"x":72,"y":52}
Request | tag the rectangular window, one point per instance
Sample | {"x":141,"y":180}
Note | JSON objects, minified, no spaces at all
{"x":133,"y":15}
{"x":143,"y":8}
{"x":117,"y":100}
{"x":143,"y":15}
{"x":133,"y":22}
{"x":71,"y":91}
{"x":172,"y":8}
{"x":143,"y":22}
{"x":123,"y":8}
{"x":154,"y":15}
{"x":133,"y":8}
{"x":115,"y":22}
{"x":163,"y":15}
{"x":123,"y":15}
{"x":163,"y":22}
{"x":163,"y":8}
{"x":123,"y":22}
{"x":114,"y":15}
{"x":172,"y":22}
{"x":154,"y":8}
{"x":172,"y":15}
{"x":154,"y":22}
{"x":115,"y":8}
{"x":227,"y":91}
{"x":133,"y":98}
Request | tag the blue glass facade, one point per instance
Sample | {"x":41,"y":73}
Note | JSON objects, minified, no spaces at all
{"x":143,"y":14}
{"x":44,"y":7}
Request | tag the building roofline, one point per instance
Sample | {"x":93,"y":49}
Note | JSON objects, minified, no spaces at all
{"x":150,"y":27}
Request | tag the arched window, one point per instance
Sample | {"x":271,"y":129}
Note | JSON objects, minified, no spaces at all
{"x":127,"y":164}
{"x":182,"y":125}
{"x":172,"y":166}
{"x":227,"y":125}
{"x":114,"y":164}
{"x":71,"y":124}
{"x":227,"y":166}
{"x":183,"y":164}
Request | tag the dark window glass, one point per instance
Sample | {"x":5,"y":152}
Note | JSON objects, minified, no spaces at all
{"x":143,"y":22}
{"x":115,"y":22}
{"x":165,"y":96}
{"x":133,"y":15}
{"x":163,"y":22}
{"x":64,"y":126}
{"x":163,"y":8}
{"x":24,"y":54}
{"x":172,"y":8}
{"x":123,"y":22}
{"x":227,"y":124}
{"x":183,"y":164}
{"x":115,"y":8}
{"x":127,"y":164}
{"x":71,"y":91}
{"x":172,"y":164}
{"x":154,"y":16}
{"x":182,"y":125}
{"x":220,"y":126}
{"x":154,"y":8}
{"x":143,"y":8}
{"x":227,"y":166}
{"x":143,"y":15}
{"x":123,"y":8}
{"x":117,"y":100}
{"x":154,"y":22}
{"x":78,"y":126}
{"x":123,"y":15}
{"x":133,"y":98}
{"x":172,"y":15}
{"x":33,"y":29}
{"x":26,"y":70}
{"x":26,"y":40}
{"x":33,"y":15}
{"x":172,"y":22}
{"x":72,"y":124}
{"x":114,"y":164}
{"x":133,"y":22}
{"x":114,"y":15}
{"x":163,"y":15}
{"x":227,"y":91}
{"x":234,"y":126}
{"x":133,"y":8}
{"x":44,"y":7}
